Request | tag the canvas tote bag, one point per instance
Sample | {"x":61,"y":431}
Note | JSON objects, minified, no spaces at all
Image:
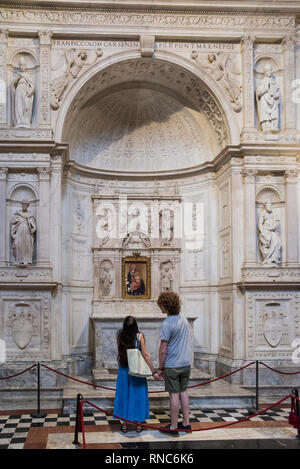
{"x":136,"y":362}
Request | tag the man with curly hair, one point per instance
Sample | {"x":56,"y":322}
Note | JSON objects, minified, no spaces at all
{"x":175,"y":360}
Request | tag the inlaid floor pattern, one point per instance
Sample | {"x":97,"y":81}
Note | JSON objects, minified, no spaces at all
{"x":14,"y":428}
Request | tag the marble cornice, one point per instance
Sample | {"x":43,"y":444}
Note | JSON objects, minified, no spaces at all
{"x":132,"y":16}
{"x":234,"y":7}
{"x":226,"y":155}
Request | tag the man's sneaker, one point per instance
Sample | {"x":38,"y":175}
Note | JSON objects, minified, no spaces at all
{"x":188,"y":428}
{"x":168,"y":431}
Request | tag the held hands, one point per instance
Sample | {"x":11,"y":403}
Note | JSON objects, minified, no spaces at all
{"x":158,"y":375}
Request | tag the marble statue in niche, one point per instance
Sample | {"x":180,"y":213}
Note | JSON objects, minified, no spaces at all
{"x":76,"y":62}
{"x":23,"y":96}
{"x":222,"y":71}
{"x":23,"y":228}
{"x":269,"y":236}
{"x":106,"y":278}
{"x":166,"y":276}
{"x":166,"y":225}
{"x":268,"y":100}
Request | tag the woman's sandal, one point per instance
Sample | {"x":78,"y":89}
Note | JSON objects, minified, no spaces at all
{"x":139,"y":428}
{"x":124,"y":428}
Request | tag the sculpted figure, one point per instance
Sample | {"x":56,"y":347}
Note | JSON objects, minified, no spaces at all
{"x":23,"y":96}
{"x":269,"y":237}
{"x":268,"y":100}
{"x":23,"y":227}
{"x":76,"y":61}
{"x":217,"y":65}
{"x":166,"y":277}
{"x":106,"y":279}
{"x":166,"y":227}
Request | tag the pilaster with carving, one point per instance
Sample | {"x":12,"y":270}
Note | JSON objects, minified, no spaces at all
{"x":3,"y":74}
{"x":288,"y":47}
{"x":44,"y":216}
{"x":45,"y":50}
{"x":248,"y":86}
{"x":291,"y":178}
{"x":249,"y":211}
{"x":3,"y":177}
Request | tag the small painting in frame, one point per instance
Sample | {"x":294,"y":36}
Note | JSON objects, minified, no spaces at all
{"x":136,"y":277}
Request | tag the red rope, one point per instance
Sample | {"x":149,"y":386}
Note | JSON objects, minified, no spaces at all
{"x":280,"y":372}
{"x":76,"y":379}
{"x":152,"y":391}
{"x":194,"y":429}
{"x":20,"y":373}
{"x":221,"y":377}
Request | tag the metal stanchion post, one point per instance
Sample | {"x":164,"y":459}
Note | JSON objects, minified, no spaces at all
{"x":38,"y":414}
{"x":76,"y":442}
{"x":254,"y":411}
{"x":295,"y":392}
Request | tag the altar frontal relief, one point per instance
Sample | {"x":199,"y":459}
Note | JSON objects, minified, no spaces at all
{"x":136,"y":277}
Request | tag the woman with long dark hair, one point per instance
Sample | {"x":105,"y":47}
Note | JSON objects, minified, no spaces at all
{"x":131,"y":398}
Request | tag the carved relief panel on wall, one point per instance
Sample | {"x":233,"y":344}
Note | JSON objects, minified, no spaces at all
{"x":272,"y":324}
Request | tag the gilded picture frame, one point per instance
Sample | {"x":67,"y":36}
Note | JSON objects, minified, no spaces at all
{"x":136,"y":277}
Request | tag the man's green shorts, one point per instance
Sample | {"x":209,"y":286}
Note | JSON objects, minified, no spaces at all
{"x":176,"y":379}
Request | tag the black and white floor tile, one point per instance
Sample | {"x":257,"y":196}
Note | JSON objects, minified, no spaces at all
{"x":14,"y":428}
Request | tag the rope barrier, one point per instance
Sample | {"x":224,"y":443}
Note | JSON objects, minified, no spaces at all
{"x":220,"y":377}
{"x":20,"y":373}
{"x":151,"y":391}
{"x":228,"y":424}
{"x":78,"y":380}
{"x":280,"y":372}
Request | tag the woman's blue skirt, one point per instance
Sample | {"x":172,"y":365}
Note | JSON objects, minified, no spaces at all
{"x":131,"y":398}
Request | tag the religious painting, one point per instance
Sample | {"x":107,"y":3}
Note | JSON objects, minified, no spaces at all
{"x":136,"y":277}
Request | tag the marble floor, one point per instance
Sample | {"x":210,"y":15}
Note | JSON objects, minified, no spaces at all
{"x":18,"y":430}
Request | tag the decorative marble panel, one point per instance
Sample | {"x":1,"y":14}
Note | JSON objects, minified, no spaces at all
{"x":25,"y":324}
{"x":272,"y":324}
{"x":226,"y":311}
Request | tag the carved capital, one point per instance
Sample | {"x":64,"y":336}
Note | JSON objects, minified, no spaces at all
{"x":288,"y":42}
{"x":291,"y":175}
{"x":247,"y":42}
{"x":3,"y":35}
{"x":45,"y":38}
{"x":249,"y":175}
{"x":44,"y":173}
{"x":3,"y":174}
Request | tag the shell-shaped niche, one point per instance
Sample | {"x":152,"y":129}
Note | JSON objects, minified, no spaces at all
{"x":139,"y":129}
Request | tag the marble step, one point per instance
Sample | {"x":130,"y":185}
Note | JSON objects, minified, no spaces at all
{"x":217,"y":395}
{"x":105,"y":377}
